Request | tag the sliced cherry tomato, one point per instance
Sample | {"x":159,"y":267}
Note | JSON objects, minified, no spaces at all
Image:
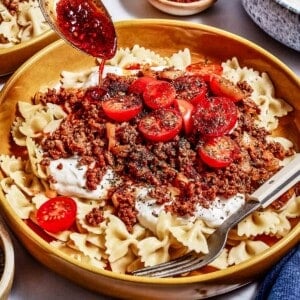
{"x":205,"y":69}
{"x":215,"y":116}
{"x":122,"y":108}
{"x":186,"y":110}
{"x":133,"y":66}
{"x":138,"y":86}
{"x":192,"y":88}
{"x":57,"y":214}
{"x":221,"y":86}
{"x":159,"y":94}
{"x":219,"y":152}
{"x":161,"y":125}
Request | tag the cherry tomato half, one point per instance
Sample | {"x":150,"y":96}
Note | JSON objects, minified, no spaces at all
{"x":138,"y":86}
{"x":186,"y":110}
{"x":122,"y":108}
{"x":205,"y":69}
{"x":57,"y":214}
{"x":159,"y":94}
{"x":221,"y":86}
{"x":219,"y":152}
{"x":161,"y":125}
{"x":215,"y":116}
{"x":191,"y":88}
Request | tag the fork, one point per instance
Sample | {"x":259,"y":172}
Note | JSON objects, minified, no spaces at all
{"x":273,"y":188}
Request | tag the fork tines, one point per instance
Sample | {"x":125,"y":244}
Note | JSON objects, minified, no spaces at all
{"x":174,"y":267}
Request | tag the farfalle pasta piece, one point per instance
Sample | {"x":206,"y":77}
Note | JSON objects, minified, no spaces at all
{"x":27,"y":182}
{"x":11,"y":164}
{"x":156,"y":249}
{"x":81,"y":242}
{"x":126,"y":263}
{"x":31,"y":19}
{"x":28,"y":110}
{"x":80,"y":79}
{"x":263,"y":92}
{"x":38,"y":119}
{"x":16,"y":169}
{"x":34,"y":126}
{"x":18,"y":137}
{"x":35,"y":154}
{"x":124,"y":57}
{"x":245,"y":250}
{"x":27,"y":22}
{"x":118,"y":239}
{"x":181,"y":59}
{"x":83,"y":208}
{"x":192,"y":235}
{"x":78,"y":255}
{"x":292,"y":210}
{"x":259,"y":222}
{"x":9,"y":28}
{"x":221,"y":262}
{"x":19,"y":202}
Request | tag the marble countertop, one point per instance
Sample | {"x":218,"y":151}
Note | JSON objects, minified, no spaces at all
{"x":32,"y":280}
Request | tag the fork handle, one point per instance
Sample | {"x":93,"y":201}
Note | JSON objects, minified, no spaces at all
{"x":278,"y":184}
{"x":273,"y":188}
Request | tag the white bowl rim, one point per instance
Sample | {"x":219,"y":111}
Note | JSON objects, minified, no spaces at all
{"x":292,"y":5}
{"x":9,"y":266}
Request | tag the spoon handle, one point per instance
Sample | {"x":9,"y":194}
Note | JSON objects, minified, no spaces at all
{"x":278,"y":184}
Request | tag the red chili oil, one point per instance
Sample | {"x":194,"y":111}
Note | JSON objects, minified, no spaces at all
{"x":87,"y":26}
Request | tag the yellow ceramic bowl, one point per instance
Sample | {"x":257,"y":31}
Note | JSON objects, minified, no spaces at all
{"x":11,"y":58}
{"x":44,"y":69}
{"x":182,"y":9}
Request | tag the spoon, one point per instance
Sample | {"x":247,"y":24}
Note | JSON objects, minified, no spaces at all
{"x":85,"y":24}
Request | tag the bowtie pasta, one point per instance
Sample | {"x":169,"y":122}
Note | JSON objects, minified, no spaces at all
{"x":104,"y":235}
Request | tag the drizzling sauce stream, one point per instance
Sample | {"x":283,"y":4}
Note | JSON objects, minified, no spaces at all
{"x":87,"y":26}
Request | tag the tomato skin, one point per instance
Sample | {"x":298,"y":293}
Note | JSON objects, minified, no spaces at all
{"x":159,"y":94}
{"x":161,"y":125}
{"x":219,"y":152}
{"x":190,"y":88}
{"x":215,"y":116}
{"x":221,"y":86}
{"x":205,"y":69}
{"x":186,"y":110}
{"x":122,"y":108}
{"x":138,"y":86}
{"x":57,"y":214}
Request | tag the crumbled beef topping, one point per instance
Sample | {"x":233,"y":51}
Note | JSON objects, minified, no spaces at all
{"x":160,"y":165}
{"x":95,"y":217}
{"x":12,"y":5}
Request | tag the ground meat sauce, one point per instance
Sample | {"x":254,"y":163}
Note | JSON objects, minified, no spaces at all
{"x":159,"y":164}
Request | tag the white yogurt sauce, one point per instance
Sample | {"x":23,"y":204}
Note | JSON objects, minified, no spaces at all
{"x":70,"y":179}
{"x":214,"y":216}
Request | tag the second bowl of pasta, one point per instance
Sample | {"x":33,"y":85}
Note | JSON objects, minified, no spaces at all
{"x":23,"y":32}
